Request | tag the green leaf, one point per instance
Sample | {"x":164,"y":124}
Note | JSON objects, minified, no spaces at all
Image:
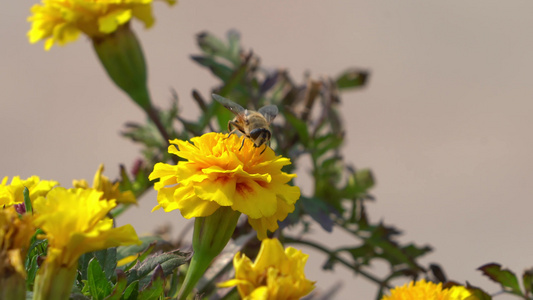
{"x":358,"y":184}
{"x":332,"y":142}
{"x":504,"y":277}
{"x":362,"y":255}
{"x":155,"y":289}
{"x":477,"y":293}
{"x":108,"y":260}
{"x":210,"y":44}
{"x":234,"y":49}
{"x":391,"y":251}
{"x":27,"y":201}
{"x":169,"y":261}
{"x":527,"y":280}
{"x":31,"y":270}
{"x":219,"y":70}
{"x":173,"y":289}
{"x":119,"y":287}
{"x":352,"y":79}
{"x":319,"y":211}
{"x":213,"y":46}
{"x":36,"y":251}
{"x":99,"y":286}
{"x":148,"y":244}
{"x":300,"y":126}
{"x":132,"y":291}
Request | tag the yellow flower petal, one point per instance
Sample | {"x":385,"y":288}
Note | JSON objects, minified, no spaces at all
{"x":276,"y":273}
{"x":110,"y":190}
{"x":195,"y":207}
{"x":15,"y":235}
{"x":84,"y":214}
{"x":61,"y":21}
{"x":428,"y":290}
{"x":110,"y":22}
{"x":12,"y":193}
{"x":219,"y":173}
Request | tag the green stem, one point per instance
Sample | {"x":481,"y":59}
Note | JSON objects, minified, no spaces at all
{"x":210,"y":236}
{"x":333,"y":255}
{"x":197,"y":268}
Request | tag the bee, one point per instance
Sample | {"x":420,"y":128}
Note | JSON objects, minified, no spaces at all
{"x":253,"y":124}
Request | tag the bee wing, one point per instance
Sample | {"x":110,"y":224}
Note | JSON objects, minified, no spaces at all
{"x":269,"y":112}
{"x":230,"y":105}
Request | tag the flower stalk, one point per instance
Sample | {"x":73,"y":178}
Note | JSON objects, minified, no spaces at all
{"x":54,"y":282}
{"x":211,"y":234}
{"x":122,"y":57}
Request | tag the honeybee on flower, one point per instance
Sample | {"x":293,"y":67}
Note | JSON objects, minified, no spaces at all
{"x":254,"y":125}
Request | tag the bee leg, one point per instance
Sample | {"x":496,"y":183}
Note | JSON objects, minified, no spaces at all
{"x":231,"y":130}
{"x":263,"y":149}
{"x":242,"y":144}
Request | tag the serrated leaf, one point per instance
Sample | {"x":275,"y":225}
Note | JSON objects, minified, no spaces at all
{"x":119,"y":287}
{"x":352,"y":79}
{"x":438,"y":273}
{"x":269,"y":82}
{"x":125,"y":182}
{"x":477,"y":293}
{"x":169,"y":261}
{"x":331,"y":142}
{"x":319,"y":211}
{"x":234,"y":49}
{"x":362,"y":255}
{"x":527,"y":280}
{"x":125,"y":251}
{"x":31,"y":271}
{"x":414,"y":251}
{"x":132,"y":291}
{"x":358,"y":184}
{"x":99,"y":286}
{"x":300,"y":126}
{"x":210,"y":44}
{"x":221,"y":71}
{"x":504,"y":277}
{"x":391,"y":251}
{"x":154,"y":290}
{"x":173,"y":289}
{"x":108,"y":260}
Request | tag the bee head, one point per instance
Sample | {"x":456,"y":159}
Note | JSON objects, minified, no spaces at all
{"x":260,"y":136}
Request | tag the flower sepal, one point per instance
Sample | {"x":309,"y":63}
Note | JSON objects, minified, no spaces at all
{"x":54,"y":281}
{"x":122,"y":57}
{"x":211,"y":235}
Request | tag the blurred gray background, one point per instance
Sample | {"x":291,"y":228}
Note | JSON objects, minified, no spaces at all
{"x":445,"y":122}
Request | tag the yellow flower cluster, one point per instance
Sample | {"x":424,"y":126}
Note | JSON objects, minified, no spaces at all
{"x":84,"y":214}
{"x":110,"y":190}
{"x":11,"y":194}
{"x":428,"y":291}
{"x":74,"y":222}
{"x":62,"y":21}
{"x":218,"y":173}
{"x":15,"y":235}
{"x":275,"y":274}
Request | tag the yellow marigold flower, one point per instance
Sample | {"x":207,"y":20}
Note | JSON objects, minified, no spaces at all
{"x":62,"y":21}
{"x":110,"y":190}
{"x":218,"y":174}
{"x":82,"y":212}
{"x":12,"y":193}
{"x":74,"y":222}
{"x":428,"y":291}
{"x":15,"y":235}
{"x":275,"y":274}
